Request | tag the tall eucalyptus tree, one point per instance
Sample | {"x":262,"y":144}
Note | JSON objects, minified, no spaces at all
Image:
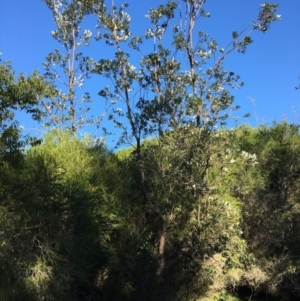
{"x":68,"y":67}
{"x":180,"y":94}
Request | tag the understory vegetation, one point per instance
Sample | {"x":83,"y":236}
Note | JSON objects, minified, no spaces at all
{"x":196,"y":209}
{"x":75,"y":224}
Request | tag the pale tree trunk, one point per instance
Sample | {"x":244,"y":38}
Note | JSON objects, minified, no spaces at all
{"x":161,"y":248}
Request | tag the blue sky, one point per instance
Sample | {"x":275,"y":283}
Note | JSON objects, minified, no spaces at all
{"x":270,"y":68}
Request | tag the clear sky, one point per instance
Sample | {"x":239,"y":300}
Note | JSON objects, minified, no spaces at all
{"x":270,"y":68}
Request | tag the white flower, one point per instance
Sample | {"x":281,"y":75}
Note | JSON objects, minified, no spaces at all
{"x":54,"y":33}
{"x":149,"y":33}
{"x":87,"y":34}
{"x":131,"y":67}
{"x":204,"y":54}
{"x":126,"y":16}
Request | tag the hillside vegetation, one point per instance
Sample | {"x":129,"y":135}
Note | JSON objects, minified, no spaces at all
{"x":196,"y":209}
{"x":75,"y":225}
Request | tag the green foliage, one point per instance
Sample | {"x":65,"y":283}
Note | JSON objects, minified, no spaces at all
{"x":270,"y":206}
{"x":192,"y":211}
{"x":56,"y":220}
{"x":69,"y":66}
{"x":20,"y":94}
{"x":77,"y":225}
{"x":124,"y":153}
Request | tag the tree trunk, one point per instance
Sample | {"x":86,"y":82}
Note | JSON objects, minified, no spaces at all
{"x":161,"y":248}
